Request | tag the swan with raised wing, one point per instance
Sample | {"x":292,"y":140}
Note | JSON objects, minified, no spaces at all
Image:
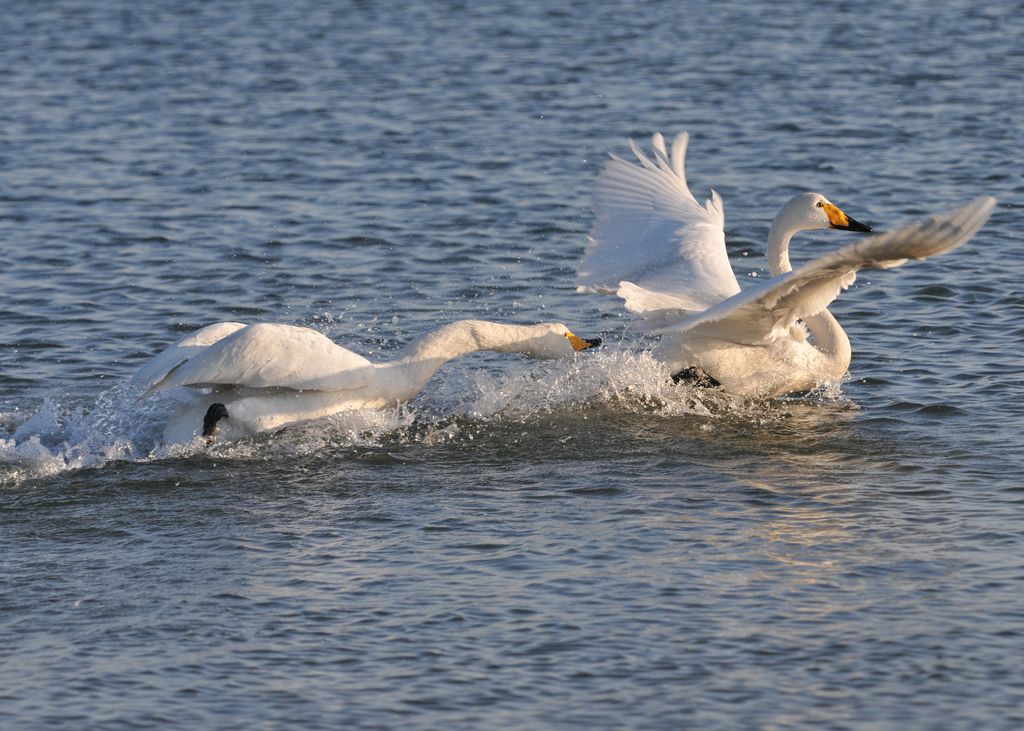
{"x":242,"y":379}
{"x":662,"y":252}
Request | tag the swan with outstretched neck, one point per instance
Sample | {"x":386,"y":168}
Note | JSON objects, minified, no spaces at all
{"x":662,"y":252}
{"x":243,"y":379}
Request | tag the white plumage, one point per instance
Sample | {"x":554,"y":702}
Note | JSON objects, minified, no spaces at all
{"x":651,"y":230}
{"x":665,"y":256}
{"x":268,"y":375}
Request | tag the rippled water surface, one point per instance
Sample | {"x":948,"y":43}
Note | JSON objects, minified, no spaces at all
{"x":527,"y":545}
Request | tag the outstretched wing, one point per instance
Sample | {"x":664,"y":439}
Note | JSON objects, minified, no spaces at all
{"x":271,"y":356}
{"x":651,"y":231}
{"x":761,"y":313}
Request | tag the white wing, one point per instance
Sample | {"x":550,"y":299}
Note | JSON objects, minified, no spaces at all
{"x":651,"y":231}
{"x":154,"y":370}
{"x":765,"y":311}
{"x":271,"y":356}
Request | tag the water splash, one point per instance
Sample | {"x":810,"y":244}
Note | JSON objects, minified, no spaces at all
{"x":630,"y":381}
{"x":121,"y":426}
{"x":65,"y":435}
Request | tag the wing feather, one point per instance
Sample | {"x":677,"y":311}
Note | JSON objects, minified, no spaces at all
{"x":268,"y":355}
{"x":156,"y":368}
{"x":763,"y":312}
{"x":652,"y":232}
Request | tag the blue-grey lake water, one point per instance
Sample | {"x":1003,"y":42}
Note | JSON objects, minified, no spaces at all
{"x":527,"y":545}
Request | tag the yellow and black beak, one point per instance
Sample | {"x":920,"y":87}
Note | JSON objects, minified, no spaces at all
{"x":582,"y":343}
{"x":840,"y":220}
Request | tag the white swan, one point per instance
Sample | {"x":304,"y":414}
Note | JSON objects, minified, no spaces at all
{"x":664,"y":254}
{"x":250,"y":378}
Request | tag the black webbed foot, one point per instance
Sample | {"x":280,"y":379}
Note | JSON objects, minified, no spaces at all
{"x":215,"y":413}
{"x":693,"y":376}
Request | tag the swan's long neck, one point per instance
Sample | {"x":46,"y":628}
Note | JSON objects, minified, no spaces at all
{"x":417,"y":364}
{"x":470,"y":336}
{"x":829,"y":336}
{"x":777,"y":248}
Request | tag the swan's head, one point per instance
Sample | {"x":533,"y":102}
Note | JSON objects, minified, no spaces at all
{"x":556,"y":341}
{"x":809,"y":211}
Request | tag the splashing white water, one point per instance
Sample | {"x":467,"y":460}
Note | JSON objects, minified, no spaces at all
{"x":631,"y":381}
{"x":63,"y":436}
{"x":119,"y":426}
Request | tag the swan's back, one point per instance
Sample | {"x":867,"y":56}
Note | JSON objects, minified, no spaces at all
{"x":157,"y":367}
{"x":268,"y":355}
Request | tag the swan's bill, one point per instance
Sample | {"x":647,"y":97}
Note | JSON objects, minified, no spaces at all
{"x":840,"y":220}
{"x":579,"y":343}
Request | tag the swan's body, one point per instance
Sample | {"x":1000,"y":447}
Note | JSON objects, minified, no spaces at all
{"x":664,"y":254}
{"x":267,"y":376}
